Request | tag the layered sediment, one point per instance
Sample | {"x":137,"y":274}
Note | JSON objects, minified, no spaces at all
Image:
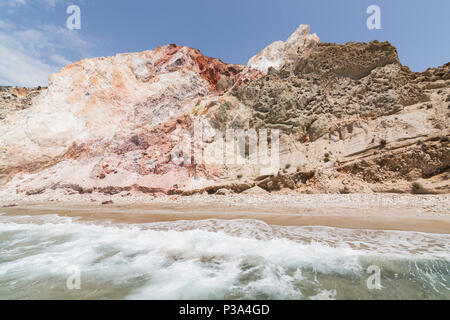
{"x":349,"y":118}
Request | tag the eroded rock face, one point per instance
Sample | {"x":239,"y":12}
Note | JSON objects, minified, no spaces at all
{"x":102,"y":101}
{"x":354,"y":60}
{"x":351,"y":119}
{"x":13,"y":99}
{"x":333,"y":82}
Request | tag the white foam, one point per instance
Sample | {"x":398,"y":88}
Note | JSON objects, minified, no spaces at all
{"x":209,"y":259}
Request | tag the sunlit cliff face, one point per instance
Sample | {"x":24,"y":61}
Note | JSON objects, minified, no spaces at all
{"x":345,"y":115}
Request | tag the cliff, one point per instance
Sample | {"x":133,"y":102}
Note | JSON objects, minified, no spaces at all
{"x":302,"y":116}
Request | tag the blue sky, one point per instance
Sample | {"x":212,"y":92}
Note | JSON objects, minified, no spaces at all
{"x":35,"y":42}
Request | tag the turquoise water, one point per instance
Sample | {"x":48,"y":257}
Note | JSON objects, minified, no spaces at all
{"x":49,"y":257}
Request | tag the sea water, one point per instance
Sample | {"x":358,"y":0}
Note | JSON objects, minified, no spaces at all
{"x":54,"y":257}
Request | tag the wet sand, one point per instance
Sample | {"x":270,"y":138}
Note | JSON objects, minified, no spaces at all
{"x":387,"y":212}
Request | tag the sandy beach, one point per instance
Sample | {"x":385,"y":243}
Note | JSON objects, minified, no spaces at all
{"x":423,"y":213}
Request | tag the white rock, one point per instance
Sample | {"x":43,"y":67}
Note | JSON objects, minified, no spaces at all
{"x":279,"y":53}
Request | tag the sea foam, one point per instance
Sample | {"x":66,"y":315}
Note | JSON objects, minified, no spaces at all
{"x":215,"y":259}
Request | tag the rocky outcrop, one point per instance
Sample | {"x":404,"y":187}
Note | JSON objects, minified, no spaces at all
{"x":285,"y":54}
{"x":350,"y":118}
{"x":14,"y":99}
{"x":334,"y":82}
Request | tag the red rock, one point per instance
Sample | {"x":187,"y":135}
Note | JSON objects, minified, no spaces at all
{"x":10,"y":205}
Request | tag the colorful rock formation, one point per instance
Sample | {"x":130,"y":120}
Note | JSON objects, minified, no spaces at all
{"x":340,"y":118}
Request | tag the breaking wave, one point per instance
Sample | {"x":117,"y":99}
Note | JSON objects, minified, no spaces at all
{"x":216,"y":259}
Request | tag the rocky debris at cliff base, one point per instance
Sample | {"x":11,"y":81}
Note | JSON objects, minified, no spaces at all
{"x":300,"y":205}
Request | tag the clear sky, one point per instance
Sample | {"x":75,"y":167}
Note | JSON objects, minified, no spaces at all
{"x":34,"y":39}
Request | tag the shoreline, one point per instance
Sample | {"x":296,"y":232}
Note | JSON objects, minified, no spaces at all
{"x":419,"y":213}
